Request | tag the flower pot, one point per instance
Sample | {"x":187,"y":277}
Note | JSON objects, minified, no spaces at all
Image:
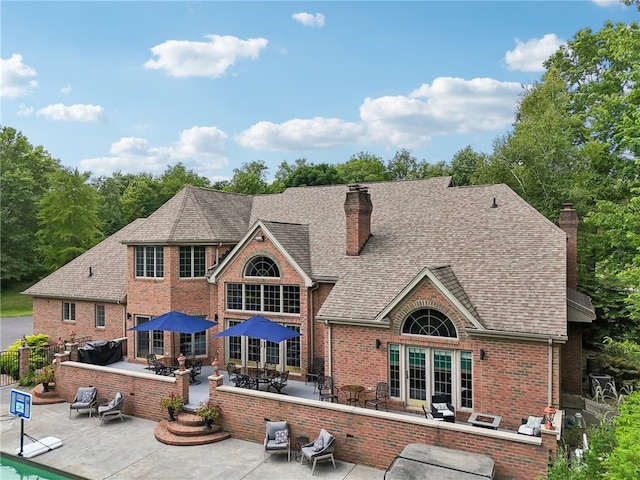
{"x":171,"y":411}
{"x":45,"y":386}
{"x":208,"y":424}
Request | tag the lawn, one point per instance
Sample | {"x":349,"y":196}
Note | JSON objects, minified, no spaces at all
{"x":14,"y":304}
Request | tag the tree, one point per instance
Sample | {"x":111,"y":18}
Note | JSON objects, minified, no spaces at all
{"x":250,"y":179}
{"x":302,"y":173}
{"x":68,"y":217}
{"x":111,"y":192}
{"x":363,"y":167}
{"x":23,"y":180}
{"x":464,"y":165}
{"x":141,"y":197}
{"x":403,"y":166}
{"x":176,"y":178}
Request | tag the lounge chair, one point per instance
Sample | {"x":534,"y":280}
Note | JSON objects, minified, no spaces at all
{"x":112,"y":409}
{"x":277,"y":439}
{"x":320,"y":449}
{"x":85,"y":399}
{"x":441,"y":408}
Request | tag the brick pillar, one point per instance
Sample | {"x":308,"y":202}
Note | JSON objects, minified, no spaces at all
{"x":571,"y":355}
{"x":23,"y":361}
{"x":182,"y":381}
{"x":72,"y":348}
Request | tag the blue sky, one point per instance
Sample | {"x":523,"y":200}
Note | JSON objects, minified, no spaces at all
{"x":138,"y":86}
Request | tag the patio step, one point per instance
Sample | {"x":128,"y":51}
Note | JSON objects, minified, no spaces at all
{"x":188,"y":429}
{"x":40,"y":397}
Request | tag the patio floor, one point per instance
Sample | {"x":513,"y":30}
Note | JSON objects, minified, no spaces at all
{"x":200,"y":392}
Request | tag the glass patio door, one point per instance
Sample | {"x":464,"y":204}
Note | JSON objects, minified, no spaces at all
{"x":416,"y":376}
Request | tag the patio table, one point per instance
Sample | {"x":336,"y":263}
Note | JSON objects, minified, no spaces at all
{"x":352,"y":394}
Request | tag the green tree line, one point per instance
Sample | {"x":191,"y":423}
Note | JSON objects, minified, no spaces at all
{"x":575,"y":138}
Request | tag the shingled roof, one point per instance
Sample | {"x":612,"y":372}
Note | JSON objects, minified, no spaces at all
{"x":505,"y":264}
{"x":98,"y":274}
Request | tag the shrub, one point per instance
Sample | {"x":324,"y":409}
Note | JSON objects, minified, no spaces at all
{"x":624,"y":459}
{"x":621,"y":360}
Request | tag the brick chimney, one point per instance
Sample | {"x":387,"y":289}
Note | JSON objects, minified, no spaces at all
{"x":357,"y":208}
{"x":569,"y":223}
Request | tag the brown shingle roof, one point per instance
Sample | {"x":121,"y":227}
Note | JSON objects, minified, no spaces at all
{"x":107,"y":262}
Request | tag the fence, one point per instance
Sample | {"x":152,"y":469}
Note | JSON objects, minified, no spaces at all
{"x":9,"y":367}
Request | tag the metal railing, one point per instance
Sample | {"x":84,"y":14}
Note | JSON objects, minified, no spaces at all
{"x":9,"y":367}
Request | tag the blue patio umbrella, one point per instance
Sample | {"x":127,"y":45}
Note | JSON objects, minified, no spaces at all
{"x":260,"y":327}
{"x":176,"y":322}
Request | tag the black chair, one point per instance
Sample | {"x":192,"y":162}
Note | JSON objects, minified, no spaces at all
{"x":325,"y":387}
{"x":382,"y":393}
{"x":160,"y":368}
{"x":442,"y":408}
{"x":150,"y":358}
{"x":196,"y":369}
{"x":316,"y":370}
{"x":279,"y":382}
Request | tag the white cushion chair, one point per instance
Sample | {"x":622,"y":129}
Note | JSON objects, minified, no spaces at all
{"x":277,"y":439}
{"x":85,"y":399}
{"x":320,"y":449}
{"x":532,"y":426}
{"x":113,"y":409}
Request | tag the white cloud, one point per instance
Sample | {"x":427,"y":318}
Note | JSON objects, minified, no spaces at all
{"x":309,"y":19}
{"x":608,"y":3}
{"x":181,"y":58}
{"x":25,"y":110}
{"x":529,"y":56}
{"x":199,"y":148}
{"x":314,"y":133}
{"x":75,"y":113}
{"x":16,"y":77}
{"x":448,"y":106}
{"x":66,"y":90}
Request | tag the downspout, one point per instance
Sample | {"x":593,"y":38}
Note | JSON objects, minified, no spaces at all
{"x":310,"y":325}
{"x":329,"y":347}
{"x":550,"y":373}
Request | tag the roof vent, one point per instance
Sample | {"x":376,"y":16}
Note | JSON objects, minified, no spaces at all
{"x":358,"y":188}
{"x":494,"y":204}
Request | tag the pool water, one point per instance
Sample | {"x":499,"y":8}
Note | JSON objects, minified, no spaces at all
{"x":13,"y":468}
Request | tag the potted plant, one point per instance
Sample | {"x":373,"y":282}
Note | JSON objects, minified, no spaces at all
{"x":45,"y":376}
{"x":209,"y":411}
{"x":173,"y":404}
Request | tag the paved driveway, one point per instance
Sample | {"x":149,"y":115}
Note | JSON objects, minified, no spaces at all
{"x":12,"y":329}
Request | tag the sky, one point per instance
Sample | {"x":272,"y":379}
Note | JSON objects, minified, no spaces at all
{"x":140,"y":86}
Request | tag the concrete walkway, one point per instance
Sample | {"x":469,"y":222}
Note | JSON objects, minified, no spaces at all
{"x":128,"y":450}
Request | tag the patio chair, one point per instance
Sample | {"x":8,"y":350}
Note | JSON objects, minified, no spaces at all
{"x":85,"y":399}
{"x":150,"y":358}
{"x":160,"y":368}
{"x":196,"y":369}
{"x":316,"y":370}
{"x":277,"y":439}
{"x":382,"y":393}
{"x":279,"y":381}
{"x":320,"y":449}
{"x":112,"y":409}
{"x":325,"y":387}
{"x":531,"y":426}
{"x":441,"y":408}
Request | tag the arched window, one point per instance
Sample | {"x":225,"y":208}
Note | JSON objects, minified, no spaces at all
{"x":431,"y":322}
{"x":261,"y":267}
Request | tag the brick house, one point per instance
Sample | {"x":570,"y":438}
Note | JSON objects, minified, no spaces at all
{"x":435,"y":289}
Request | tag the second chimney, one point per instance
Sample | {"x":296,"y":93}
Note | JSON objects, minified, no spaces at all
{"x":357,"y":208}
{"x":569,"y":223}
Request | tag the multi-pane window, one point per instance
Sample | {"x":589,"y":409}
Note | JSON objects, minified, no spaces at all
{"x":193,"y":343}
{"x":263,"y":298}
{"x":427,"y":321}
{"x":148,"y":341}
{"x":293,"y":348}
{"x":261,"y":267}
{"x":192,"y":262}
{"x":466,"y":380}
{"x":150,"y":261}
{"x":100,"y":316}
{"x":68,"y":311}
{"x":442,"y":373}
{"x":394,"y":370}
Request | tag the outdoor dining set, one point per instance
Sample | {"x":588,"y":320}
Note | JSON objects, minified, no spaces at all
{"x":269,"y":376}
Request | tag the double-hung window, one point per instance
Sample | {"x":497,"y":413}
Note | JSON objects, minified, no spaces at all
{"x":69,"y":311}
{"x":100,"y":316}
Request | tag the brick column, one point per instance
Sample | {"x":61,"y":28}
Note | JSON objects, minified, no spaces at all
{"x":23,"y":361}
{"x":182,"y":380}
{"x":72,"y":348}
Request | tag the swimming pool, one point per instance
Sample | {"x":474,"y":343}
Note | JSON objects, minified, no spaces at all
{"x":16,"y":468}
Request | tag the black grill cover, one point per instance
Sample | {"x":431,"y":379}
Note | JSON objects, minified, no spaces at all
{"x":100,"y":352}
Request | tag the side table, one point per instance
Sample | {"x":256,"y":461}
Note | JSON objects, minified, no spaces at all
{"x":299,"y":442}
